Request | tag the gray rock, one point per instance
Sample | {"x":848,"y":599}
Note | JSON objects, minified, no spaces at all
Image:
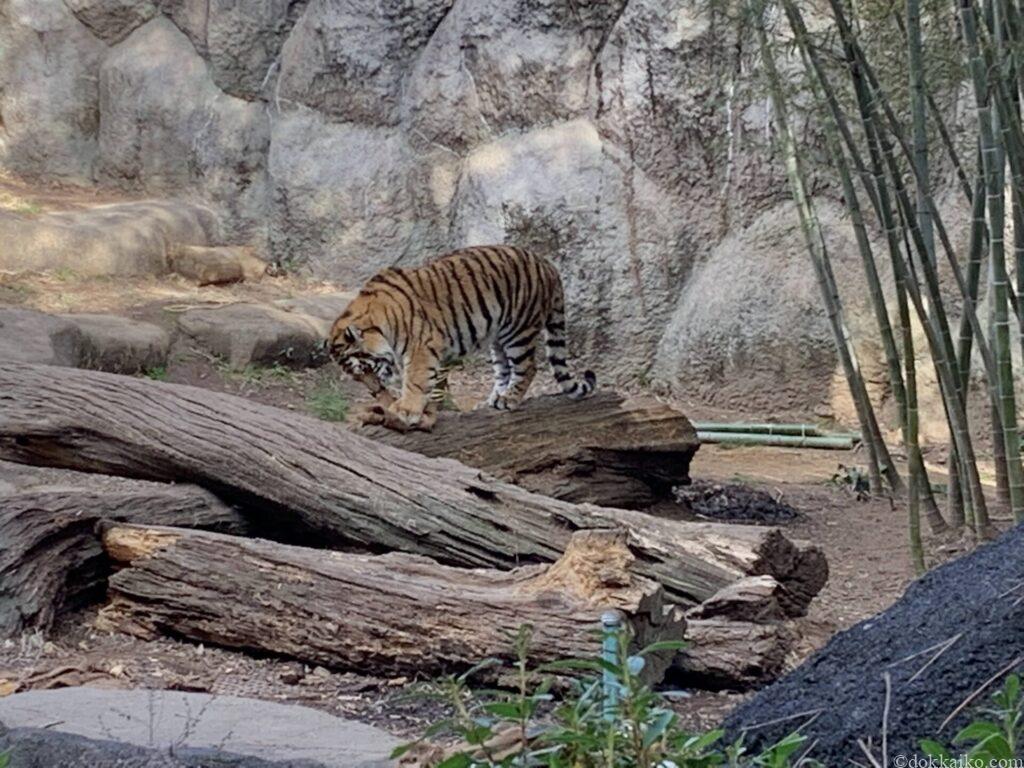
{"x":349,"y":58}
{"x":240,"y":40}
{"x":496,"y":65}
{"x":321,"y":309}
{"x":116,"y":239}
{"x":217,"y":265}
{"x":253,"y":334}
{"x":119,"y":344}
{"x":28,"y":336}
{"x":112,"y":20}
{"x":196,"y":726}
{"x":49,"y":101}
{"x":164,"y":124}
{"x":348,"y":200}
{"x":744,"y":324}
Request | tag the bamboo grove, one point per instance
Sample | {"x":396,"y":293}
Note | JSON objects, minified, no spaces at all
{"x":876,"y":112}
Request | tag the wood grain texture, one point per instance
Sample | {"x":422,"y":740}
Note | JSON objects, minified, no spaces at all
{"x":393,"y":613}
{"x":51,"y":558}
{"x":371,"y":494}
{"x":605,"y":449}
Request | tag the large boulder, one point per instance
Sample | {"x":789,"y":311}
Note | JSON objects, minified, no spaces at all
{"x":349,"y":59}
{"x":241,"y":41}
{"x":496,"y":65}
{"x":49,"y":100}
{"x":349,"y":199}
{"x":116,"y":239}
{"x":164,"y":124}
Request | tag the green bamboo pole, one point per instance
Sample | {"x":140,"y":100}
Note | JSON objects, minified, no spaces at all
{"x":820,"y":85}
{"x":915,"y":66}
{"x":816,"y":248}
{"x":764,"y":438}
{"x":994,"y":164}
{"x":934,"y":321}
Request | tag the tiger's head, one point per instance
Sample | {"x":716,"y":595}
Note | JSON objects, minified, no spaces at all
{"x":359,"y":346}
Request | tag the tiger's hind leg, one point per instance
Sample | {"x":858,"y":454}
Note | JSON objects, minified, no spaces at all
{"x":502,"y":373}
{"x":523,"y":363}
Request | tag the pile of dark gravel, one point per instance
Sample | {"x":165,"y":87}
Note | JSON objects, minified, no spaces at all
{"x":974,"y":606}
{"x":733,"y":503}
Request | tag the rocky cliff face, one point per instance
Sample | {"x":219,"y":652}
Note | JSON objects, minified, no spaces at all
{"x":345,"y":135}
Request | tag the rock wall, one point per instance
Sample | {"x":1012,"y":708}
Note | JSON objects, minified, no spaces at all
{"x":621,"y":137}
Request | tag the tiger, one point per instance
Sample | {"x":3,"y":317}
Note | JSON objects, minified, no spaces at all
{"x":407,"y":325}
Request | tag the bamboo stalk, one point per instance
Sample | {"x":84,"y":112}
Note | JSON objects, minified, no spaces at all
{"x":993,"y":161}
{"x":818,"y":252}
{"x":933,"y":322}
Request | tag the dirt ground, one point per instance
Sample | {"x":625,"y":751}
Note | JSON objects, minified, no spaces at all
{"x":864,"y":540}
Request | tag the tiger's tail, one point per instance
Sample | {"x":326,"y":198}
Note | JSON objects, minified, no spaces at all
{"x":576,"y":387}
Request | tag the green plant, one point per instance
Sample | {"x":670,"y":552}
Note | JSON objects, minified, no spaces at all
{"x":996,"y":736}
{"x":5,"y":759}
{"x":328,"y":402}
{"x":156,"y":373}
{"x":606,"y":717}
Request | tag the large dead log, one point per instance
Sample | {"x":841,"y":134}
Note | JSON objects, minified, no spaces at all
{"x":51,"y":558}
{"x":386,"y":613}
{"x":374,"y":495}
{"x":606,"y":450}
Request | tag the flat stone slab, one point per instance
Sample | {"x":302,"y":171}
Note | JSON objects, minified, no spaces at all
{"x":164,"y":720}
{"x":253,"y":334}
{"x":118,"y":239}
{"x":119,"y":344}
{"x":28,"y":336}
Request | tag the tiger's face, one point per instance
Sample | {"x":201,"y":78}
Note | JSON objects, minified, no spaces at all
{"x":363,"y":351}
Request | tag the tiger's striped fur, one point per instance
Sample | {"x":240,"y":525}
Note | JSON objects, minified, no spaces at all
{"x":407,"y":323}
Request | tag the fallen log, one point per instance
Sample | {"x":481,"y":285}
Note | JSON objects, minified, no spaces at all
{"x":386,"y":613}
{"x":52,"y":560}
{"x":605,"y":450}
{"x":732,"y":654}
{"x":374,"y":495}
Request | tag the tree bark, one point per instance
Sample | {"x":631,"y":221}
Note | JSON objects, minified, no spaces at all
{"x":387,"y":613}
{"x":51,"y":558}
{"x":732,"y":654}
{"x":375,"y":496}
{"x":604,"y":450}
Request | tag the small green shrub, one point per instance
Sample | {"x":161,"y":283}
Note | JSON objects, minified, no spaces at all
{"x":328,"y":402}
{"x":585,"y":727}
{"x":156,"y":373}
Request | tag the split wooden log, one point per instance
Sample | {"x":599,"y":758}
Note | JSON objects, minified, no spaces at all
{"x":605,"y":449}
{"x":374,"y":495}
{"x":52,"y":560}
{"x":732,"y":654}
{"x":753,"y":599}
{"x":386,"y":613}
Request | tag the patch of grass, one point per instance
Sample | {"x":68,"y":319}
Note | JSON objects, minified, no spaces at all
{"x":256,"y":375}
{"x":328,"y":402}
{"x":64,"y":274}
{"x":156,"y":373}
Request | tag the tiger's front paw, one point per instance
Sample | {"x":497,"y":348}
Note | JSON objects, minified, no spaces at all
{"x":402,"y":418}
{"x":370,"y":414}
